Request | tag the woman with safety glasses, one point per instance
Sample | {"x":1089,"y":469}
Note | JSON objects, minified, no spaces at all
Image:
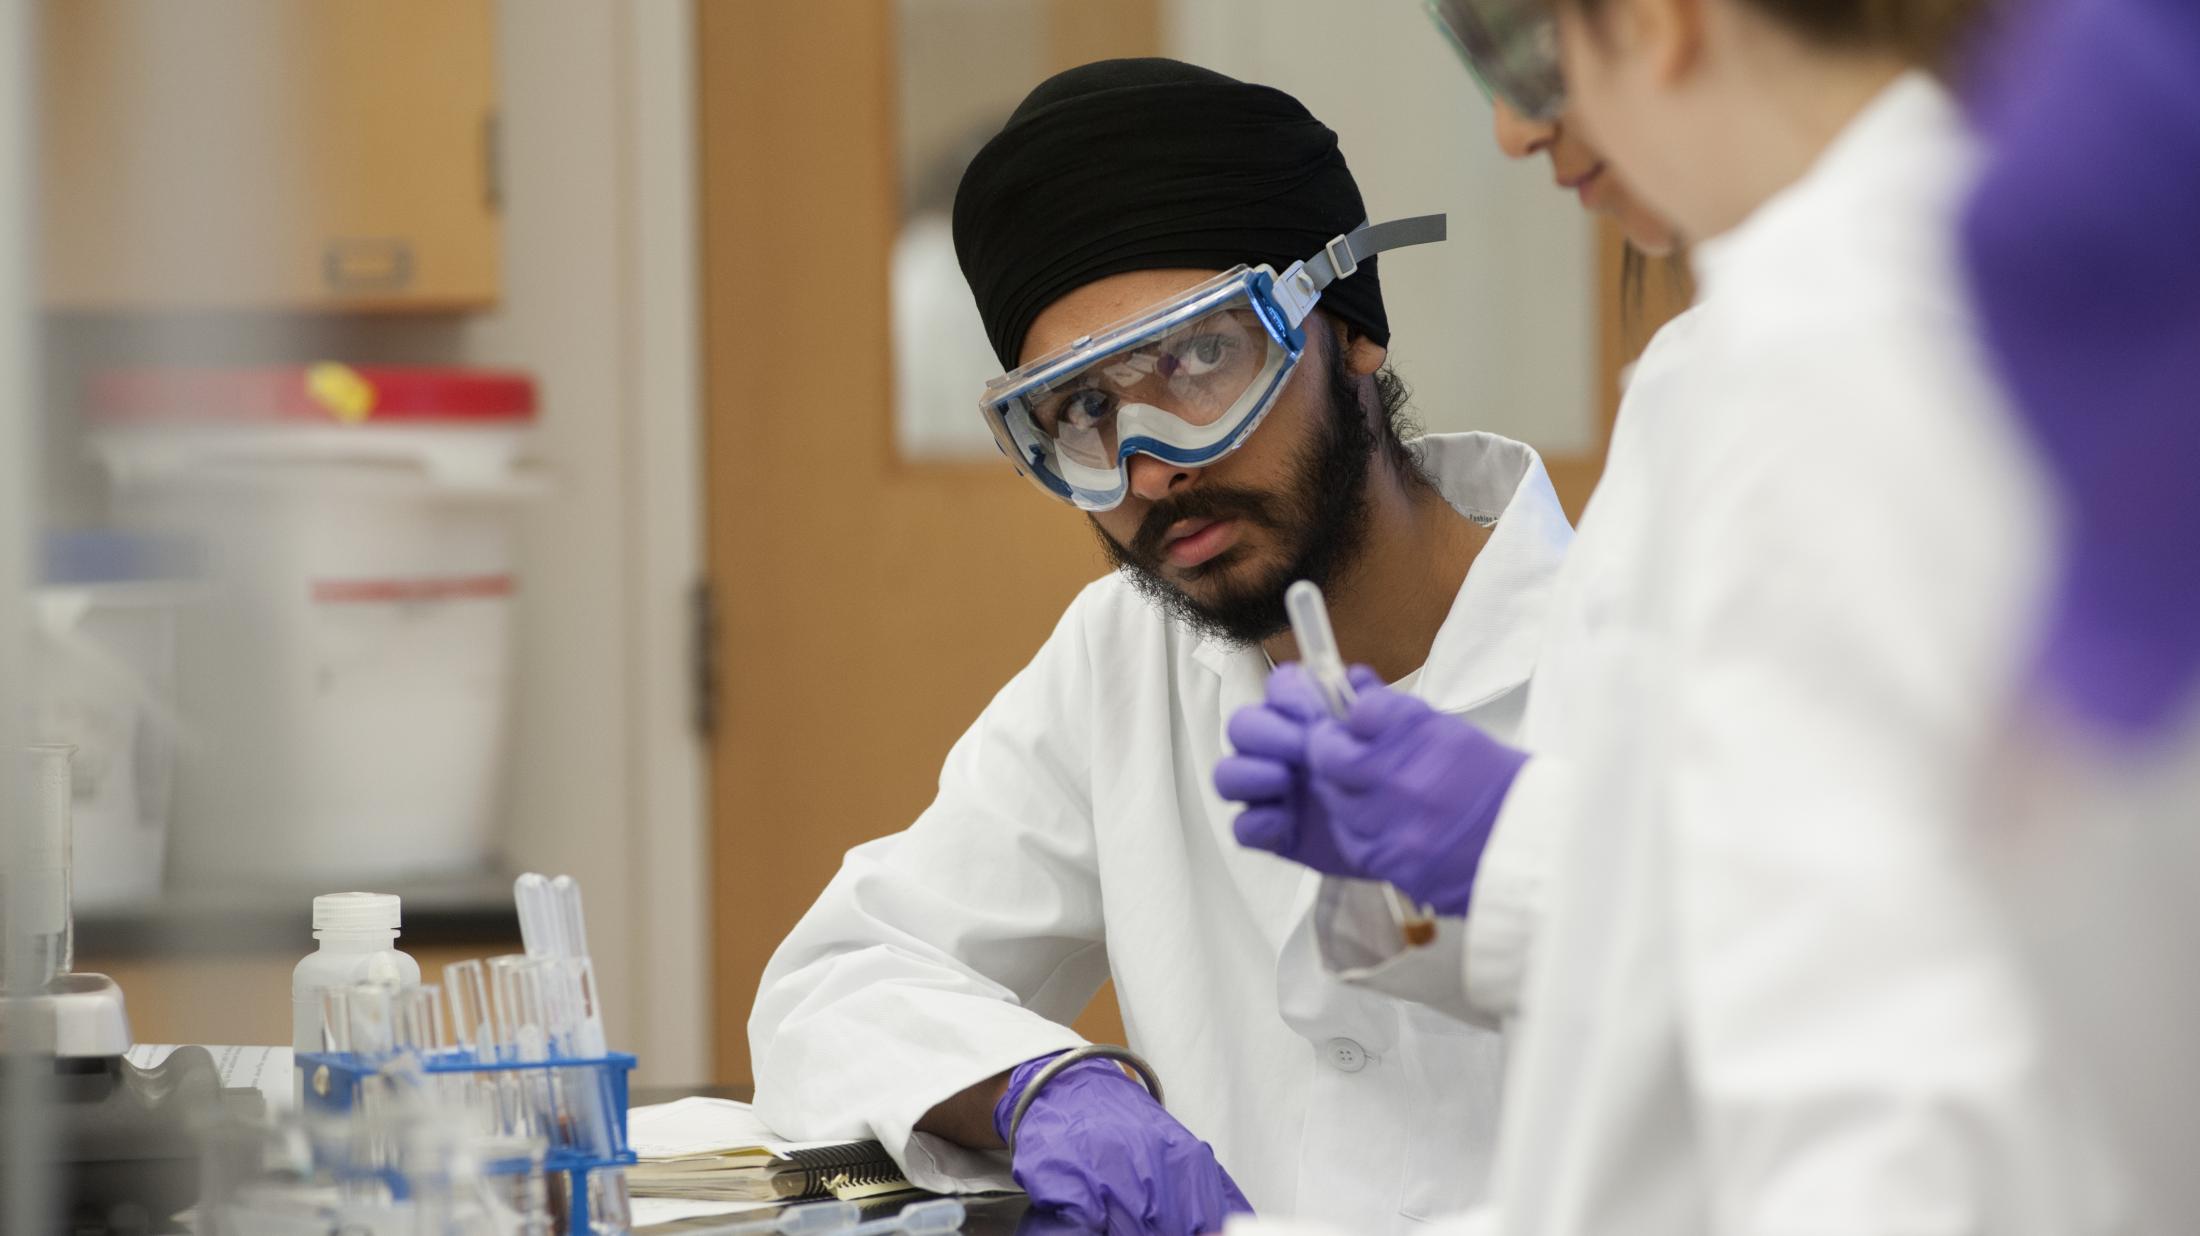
{"x":1768,"y":993}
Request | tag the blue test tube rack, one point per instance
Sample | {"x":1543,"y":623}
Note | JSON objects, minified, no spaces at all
{"x":332,"y":1082}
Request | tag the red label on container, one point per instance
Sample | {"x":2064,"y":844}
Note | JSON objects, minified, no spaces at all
{"x":384,"y":591}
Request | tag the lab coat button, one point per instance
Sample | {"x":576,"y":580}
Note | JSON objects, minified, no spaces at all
{"x":1345,"y":1055}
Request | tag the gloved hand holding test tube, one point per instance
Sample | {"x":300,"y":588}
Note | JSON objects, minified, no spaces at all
{"x":1319,"y":654}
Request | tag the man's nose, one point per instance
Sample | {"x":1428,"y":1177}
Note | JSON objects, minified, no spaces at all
{"x":1154,"y":479}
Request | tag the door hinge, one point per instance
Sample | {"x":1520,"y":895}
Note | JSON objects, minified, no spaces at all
{"x":492,"y":162}
{"x":703,"y":664}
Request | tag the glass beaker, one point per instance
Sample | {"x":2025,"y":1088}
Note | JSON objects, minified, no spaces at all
{"x":37,"y":925}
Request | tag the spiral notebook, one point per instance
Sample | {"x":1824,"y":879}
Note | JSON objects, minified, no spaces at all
{"x":717,"y":1150}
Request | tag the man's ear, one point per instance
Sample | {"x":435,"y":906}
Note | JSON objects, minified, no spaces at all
{"x":1359,"y":355}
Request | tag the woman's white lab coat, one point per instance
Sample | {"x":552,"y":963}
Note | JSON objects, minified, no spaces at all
{"x":1773,"y":995}
{"x":1077,"y":835}
{"x":1770,"y":994}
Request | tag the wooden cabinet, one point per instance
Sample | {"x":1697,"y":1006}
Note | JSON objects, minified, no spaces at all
{"x":268,"y":154}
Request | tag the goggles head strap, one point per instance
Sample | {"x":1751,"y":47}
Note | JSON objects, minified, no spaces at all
{"x":1300,"y":288}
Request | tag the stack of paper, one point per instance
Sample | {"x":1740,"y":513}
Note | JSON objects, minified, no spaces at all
{"x":717,"y":1150}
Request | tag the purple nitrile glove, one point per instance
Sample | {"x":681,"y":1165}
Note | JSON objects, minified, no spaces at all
{"x":2079,"y":245}
{"x":1097,"y":1149}
{"x":1268,"y":774}
{"x":1410,"y":794}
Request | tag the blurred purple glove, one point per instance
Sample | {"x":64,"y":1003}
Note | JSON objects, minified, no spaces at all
{"x":2081,"y":253}
{"x":1396,"y":791}
{"x":1095,"y":1149}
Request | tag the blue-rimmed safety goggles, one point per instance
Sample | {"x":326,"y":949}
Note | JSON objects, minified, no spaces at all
{"x":1184,"y":381}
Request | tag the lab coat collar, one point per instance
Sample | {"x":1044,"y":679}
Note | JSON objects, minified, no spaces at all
{"x":1893,"y":129}
{"x":1487,"y":645}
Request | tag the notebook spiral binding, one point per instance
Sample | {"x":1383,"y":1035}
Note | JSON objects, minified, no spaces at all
{"x":827,"y":1168}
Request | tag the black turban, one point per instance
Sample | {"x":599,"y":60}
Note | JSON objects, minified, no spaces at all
{"x":1152,"y":164}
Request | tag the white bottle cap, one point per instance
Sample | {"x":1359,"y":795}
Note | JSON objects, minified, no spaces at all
{"x":356,"y":912}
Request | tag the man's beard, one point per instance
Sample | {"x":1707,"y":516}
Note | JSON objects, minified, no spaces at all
{"x":1320,"y":520}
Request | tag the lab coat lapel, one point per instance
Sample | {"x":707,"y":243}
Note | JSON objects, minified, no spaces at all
{"x":1488,"y":644}
{"x":1242,"y":681}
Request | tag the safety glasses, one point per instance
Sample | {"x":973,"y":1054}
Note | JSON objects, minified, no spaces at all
{"x":1511,"y":49}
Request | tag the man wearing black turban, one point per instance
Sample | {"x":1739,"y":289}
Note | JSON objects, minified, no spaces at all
{"x":925,"y":999}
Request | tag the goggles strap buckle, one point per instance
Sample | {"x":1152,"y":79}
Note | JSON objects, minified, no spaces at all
{"x":1296,"y":293}
{"x":1298,"y":288}
{"x":1341,"y":258}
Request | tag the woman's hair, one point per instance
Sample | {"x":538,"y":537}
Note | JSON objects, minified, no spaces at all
{"x":1930,"y":33}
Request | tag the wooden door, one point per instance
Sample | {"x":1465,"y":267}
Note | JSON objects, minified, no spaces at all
{"x":869,"y":607}
{"x":268,"y":154}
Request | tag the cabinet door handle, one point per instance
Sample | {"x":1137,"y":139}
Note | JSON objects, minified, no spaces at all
{"x":353,"y":264}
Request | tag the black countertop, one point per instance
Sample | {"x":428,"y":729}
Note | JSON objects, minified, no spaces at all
{"x":459,"y":910}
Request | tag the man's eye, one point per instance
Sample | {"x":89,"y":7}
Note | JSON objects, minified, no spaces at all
{"x":1202,"y":355}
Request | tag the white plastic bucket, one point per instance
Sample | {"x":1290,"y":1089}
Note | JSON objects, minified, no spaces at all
{"x":347,"y":683}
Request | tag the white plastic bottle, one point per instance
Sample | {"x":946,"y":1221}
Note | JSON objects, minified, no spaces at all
{"x":358,"y":935}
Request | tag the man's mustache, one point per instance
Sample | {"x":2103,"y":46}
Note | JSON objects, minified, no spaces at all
{"x":1218,"y":504}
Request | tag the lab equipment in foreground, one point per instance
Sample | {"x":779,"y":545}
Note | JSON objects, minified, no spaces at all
{"x":107,"y":613}
{"x":120,"y":1135}
{"x":1185,"y":381}
{"x":1324,"y":663}
{"x":36,"y":868}
{"x":529,"y":1059}
{"x":554,"y":931}
{"x":499,"y":1092}
{"x":403,"y":1168}
{"x":358,"y":943}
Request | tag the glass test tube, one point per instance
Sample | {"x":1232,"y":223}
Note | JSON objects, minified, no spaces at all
{"x":373,"y":1020}
{"x":417,"y":1020}
{"x":471,"y":1020}
{"x":336,"y":1019}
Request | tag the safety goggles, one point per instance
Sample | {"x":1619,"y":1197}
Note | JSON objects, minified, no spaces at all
{"x":1185,"y":381}
{"x":1511,"y":48}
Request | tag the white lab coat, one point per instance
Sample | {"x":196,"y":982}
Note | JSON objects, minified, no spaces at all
{"x":1770,"y":993}
{"x":1077,"y":836}
{"x":1476,"y":974}
{"x":1797,"y":676}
